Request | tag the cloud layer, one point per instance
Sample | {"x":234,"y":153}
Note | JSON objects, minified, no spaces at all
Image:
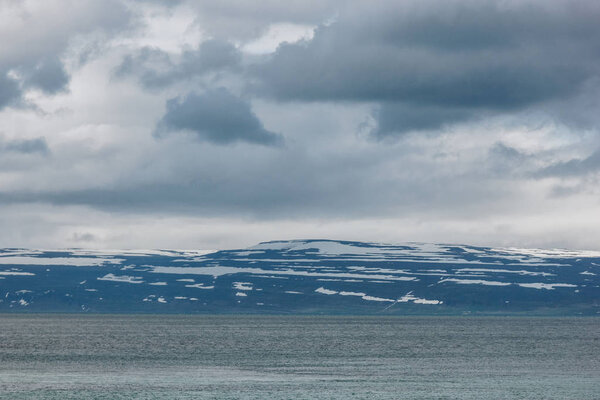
{"x":224,"y":123}
{"x":449,"y":60}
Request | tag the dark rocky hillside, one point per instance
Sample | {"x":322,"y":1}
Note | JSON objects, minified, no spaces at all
{"x":304,"y":276}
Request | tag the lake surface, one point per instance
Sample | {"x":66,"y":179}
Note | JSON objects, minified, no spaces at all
{"x":298,"y":357}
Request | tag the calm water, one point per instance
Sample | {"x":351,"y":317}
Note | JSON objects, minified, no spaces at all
{"x":247,"y":357}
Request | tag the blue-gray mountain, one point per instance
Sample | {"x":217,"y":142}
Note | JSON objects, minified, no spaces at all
{"x":304,"y":276}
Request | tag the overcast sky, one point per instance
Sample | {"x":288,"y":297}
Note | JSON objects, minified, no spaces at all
{"x":218,"y":124}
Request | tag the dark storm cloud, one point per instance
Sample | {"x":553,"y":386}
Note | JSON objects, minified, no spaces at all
{"x":9,"y":90}
{"x":155,"y":68}
{"x":440,"y":62}
{"x":39,"y":36}
{"x":216,"y":116}
{"x":25,"y":146}
{"x":504,"y":152}
{"x":504,"y":160}
{"x":48,"y":75}
{"x":402,"y":117}
{"x":576,"y":167}
{"x":279,"y":185}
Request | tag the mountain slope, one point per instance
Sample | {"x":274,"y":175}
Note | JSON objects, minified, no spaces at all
{"x":304,"y":276}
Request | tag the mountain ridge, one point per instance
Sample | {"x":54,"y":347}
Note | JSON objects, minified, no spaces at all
{"x":322,"y":276}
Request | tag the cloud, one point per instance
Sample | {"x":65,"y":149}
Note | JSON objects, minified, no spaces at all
{"x":216,"y":116}
{"x":84,"y":237}
{"x":25,"y":146}
{"x":441,"y":62}
{"x":155,"y":68}
{"x":469,"y":100}
{"x":36,"y":35}
{"x":9,"y":90}
{"x":289,"y":186}
{"x":394,"y":118}
{"x":505,"y":160}
{"x":241,"y":20}
{"x":48,"y":75}
{"x":577,"y":167}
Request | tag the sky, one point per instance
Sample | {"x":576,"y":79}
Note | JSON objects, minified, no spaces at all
{"x":212,"y":125}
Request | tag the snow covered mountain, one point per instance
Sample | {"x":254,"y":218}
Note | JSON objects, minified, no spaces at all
{"x":304,"y":276}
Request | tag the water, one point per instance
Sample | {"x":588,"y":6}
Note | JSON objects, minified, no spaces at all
{"x":297,"y":357}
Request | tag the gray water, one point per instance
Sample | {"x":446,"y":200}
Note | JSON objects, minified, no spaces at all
{"x":297,"y":357}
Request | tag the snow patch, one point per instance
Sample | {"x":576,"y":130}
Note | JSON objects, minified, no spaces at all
{"x":16,"y":273}
{"x":70,"y":261}
{"x":362,"y":295}
{"x":121,"y":278}
{"x":322,"y":290}
{"x":409,"y":297}
{"x":372,"y":298}
{"x":142,"y":252}
{"x":547,"y":286}
{"x":217,"y":271}
{"x":200,"y":286}
{"x":242,"y":285}
{"x":248,"y":253}
{"x":504,"y":271}
{"x":474,"y":282}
